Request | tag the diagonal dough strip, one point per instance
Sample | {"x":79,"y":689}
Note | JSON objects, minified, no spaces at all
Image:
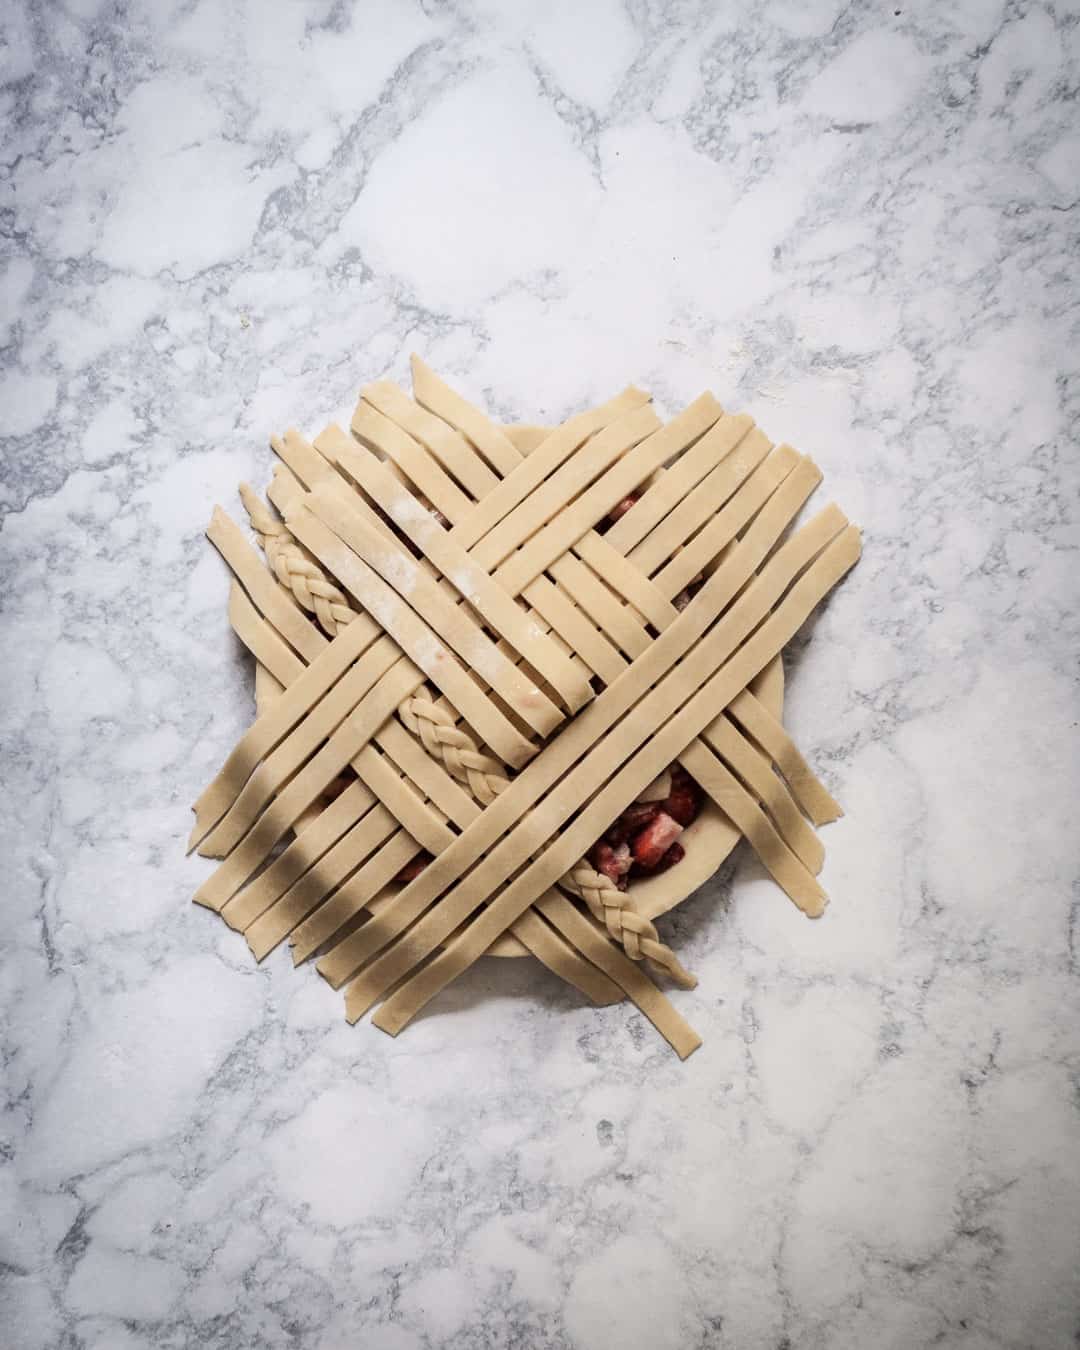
{"x":539,"y":466}
{"x":575,"y":520}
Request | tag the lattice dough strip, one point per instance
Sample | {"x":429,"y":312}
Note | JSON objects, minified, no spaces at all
{"x":335,"y":820}
{"x":539,"y":466}
{"x":286,"y":492}
{"x":669,"y":486}
{"x":316,"y":471}
{"x":806,"y":788}
{"x":665,"y":491}
{"x":298,"y":747}
{"x":636,"y":590}
{"x":545,"y":504}
{"x":719,"y":440}
{"x":445,"y":403}
{"x":560,"y":533}
{"x":278,"y":920}
{"x":448,"y":620}
{"x":743,"y":757}
{"x":598,"y":602}
{"x":327,"y":663}
{"x":442,"y":441}
{"x":411,"y":460}
{"x":701,"y":552}
{"x":423,"y":646}
{"x":700,"y":504}
{"x":320,"y":771}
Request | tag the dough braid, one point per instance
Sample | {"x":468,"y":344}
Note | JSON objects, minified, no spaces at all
{"x":296,"y":571}
{"x":637,"y":935}
{"x":444,"y":740}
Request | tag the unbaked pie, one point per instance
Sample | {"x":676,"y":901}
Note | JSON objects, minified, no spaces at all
{"x":519,"y":691}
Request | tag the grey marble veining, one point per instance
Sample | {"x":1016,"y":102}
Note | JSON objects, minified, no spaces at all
{"x":861,"y":223}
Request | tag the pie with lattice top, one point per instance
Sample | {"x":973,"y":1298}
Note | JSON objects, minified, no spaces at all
{"x":519,"y":691}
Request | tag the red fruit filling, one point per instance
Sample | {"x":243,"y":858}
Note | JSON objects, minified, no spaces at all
{"x":614,"y":861}
{"x":676,"y":853}
{"x":684,"y":800}
{"x":620,"y":508}
{"x":636,"y":816}
{"x":413,"y":867}
{"x":651,"y":843}
{"x":643,"y":841}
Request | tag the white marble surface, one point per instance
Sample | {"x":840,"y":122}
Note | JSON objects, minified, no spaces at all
{"x":858,"y":222}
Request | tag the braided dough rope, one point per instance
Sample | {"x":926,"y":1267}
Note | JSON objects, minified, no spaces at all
{"x":295,"y":569}
{"x":443,"y":739}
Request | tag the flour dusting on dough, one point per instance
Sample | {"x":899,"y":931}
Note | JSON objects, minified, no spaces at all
{"x":464,"y":581}
{"x":406,"y":510}
{"x":401,"y":572}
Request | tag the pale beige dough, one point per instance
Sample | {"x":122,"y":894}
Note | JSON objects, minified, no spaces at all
{"x":521,"y":507}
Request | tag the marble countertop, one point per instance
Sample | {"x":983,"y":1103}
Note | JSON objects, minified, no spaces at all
{"x":860,"y":223}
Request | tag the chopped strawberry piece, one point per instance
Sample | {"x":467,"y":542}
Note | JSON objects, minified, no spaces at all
{"x":620,"y":508}
{"x":684,"y":803}
{"x":651,"y":843}
{"x":676,"y":853}
{"x":635,"y":817}
{"x":615,"y":863}
{"x":413,"y":867}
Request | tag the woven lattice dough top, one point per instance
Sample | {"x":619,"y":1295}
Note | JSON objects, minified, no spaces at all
{"x":484,"y":655}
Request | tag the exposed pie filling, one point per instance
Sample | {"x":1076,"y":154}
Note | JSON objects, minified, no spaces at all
{"x":642,"y":842}
{"x":645,"y":838}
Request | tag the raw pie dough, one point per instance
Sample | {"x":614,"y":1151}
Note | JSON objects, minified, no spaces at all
{"x":478,"y":645}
